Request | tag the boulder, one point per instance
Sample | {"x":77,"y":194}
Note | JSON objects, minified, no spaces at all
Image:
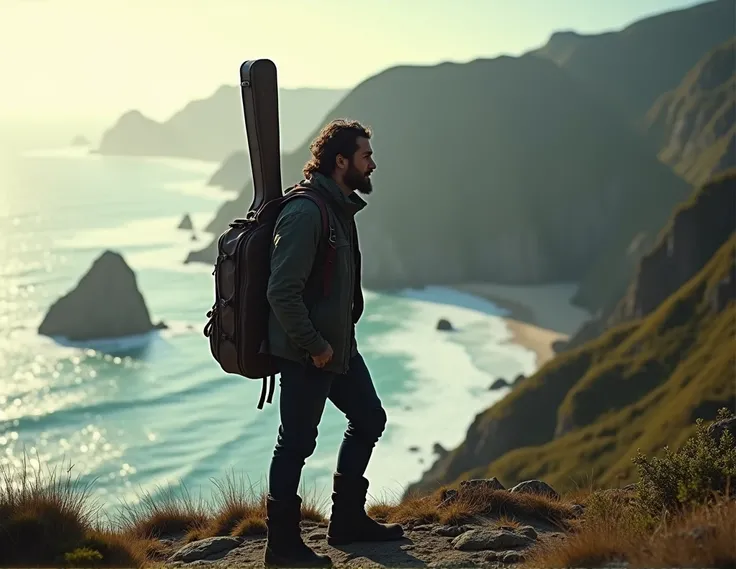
{"x":500,"y":383}
{"x":210,"y":549}
{"x":439,"y":450}
{"x":450,"y":531}
{"x":444,"y":325}
{"x":716,"y":430}
{"x":483,"y":539}
{"x":186,"y":223}
{"x":106,"y":303}
{"x":485,"y":483}
{"x":535,"y":487}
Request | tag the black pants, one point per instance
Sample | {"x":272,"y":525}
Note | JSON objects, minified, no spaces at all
{"x":304,"y":392}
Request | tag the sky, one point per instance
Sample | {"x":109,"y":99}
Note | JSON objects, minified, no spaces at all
{"x":95,"y":58}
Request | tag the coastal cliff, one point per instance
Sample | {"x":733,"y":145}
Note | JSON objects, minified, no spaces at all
{"x":212,"y":128}
{"x":632,"y":67}
{"x":560,"y":187}
{"x":503,"y":221}
{"x":696,"y":122}
{"x":641,"y":383}
{"x":696,"y":128}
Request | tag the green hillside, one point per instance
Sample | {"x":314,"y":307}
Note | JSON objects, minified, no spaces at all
{"x":644,"y":392}
{"x":640,"y":384}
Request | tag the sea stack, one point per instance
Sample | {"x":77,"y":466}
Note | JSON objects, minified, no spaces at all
{"x":80,"y":140}
{"x":186,"y":223}
{"x":106,"y":303}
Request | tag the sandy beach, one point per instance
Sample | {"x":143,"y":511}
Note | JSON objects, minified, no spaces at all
{"x":538,"y":315}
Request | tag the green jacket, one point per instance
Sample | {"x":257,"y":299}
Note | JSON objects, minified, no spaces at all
{"x":302,"y":320}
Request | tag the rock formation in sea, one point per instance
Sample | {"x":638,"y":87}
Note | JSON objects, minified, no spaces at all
{"x":105,"y":303}
{"x":186,"y":222}
{"x":80,"y":140}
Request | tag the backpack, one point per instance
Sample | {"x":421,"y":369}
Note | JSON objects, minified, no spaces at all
{"x":238,"y":320}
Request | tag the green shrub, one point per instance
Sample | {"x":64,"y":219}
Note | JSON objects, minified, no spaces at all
{"x":697,"y":473}
{"x":83,"y":557}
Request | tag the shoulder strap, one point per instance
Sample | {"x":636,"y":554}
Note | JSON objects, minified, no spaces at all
{"x":328,"y":232}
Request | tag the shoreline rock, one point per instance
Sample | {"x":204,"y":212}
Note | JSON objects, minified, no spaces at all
{"x":186,"y":223}
{"x":105,"y":304}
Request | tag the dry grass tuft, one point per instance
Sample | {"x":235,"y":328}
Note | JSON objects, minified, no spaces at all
{"x":608,"y":532}
{"x":240,"y":507}
{"x":507,"y":522}
{"x":121,"y":550}
{"x":380,"y":511}
{"x":618,"y":530}
{"x":703,"y":537}
{"x":472,"y":503}
{"x":47,"y":520}
{"x":313,"y":508}
{"x":250,"y":526}
{"x":235,"y":501}
{"x":165,"y":512}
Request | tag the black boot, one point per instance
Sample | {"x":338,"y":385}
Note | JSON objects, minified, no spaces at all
{"x":284,"y":546}
{"x":349,"y":522}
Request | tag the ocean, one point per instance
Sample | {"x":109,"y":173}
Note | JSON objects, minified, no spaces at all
{"x":167,"y":416}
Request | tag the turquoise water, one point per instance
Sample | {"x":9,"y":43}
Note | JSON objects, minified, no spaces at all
{"x":168,"y":414}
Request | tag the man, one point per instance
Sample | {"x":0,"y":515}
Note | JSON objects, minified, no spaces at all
{"x":313,"y":337}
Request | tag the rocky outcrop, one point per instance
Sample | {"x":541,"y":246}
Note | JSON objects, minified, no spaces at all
{"x":186,"y":223}
{"x":695,"y":124}
{"x":208,"y":550}
{"x":212,"y":128}
{"x":80,"y":140}
{"x":444,"y":325}
{"x":698,"y":228}
{"x":538,"y":487}
{"x":105,"y":303}
{"x":718,"y":428}
{"x":499,"y":383}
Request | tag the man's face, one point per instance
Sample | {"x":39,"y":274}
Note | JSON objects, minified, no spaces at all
{"x":359,"y":168}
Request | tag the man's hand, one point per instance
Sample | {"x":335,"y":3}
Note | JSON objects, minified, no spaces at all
{"x":324,"y":358}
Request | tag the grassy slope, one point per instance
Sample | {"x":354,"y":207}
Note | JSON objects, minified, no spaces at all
{"x":696,"y":120}
{"x":581,"y":385}
{"x":678,"y":363}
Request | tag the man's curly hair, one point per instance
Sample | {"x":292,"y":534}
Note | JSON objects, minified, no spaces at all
{"x":339,"y":136}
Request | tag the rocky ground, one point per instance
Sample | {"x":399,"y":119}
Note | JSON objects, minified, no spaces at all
{"x":485,"y":543}
{"x":481,"y":541}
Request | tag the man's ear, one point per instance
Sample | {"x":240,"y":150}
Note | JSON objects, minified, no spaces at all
{"x":340,"y":162}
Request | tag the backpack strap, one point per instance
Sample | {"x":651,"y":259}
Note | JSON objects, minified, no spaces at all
{"x":328,"y":233}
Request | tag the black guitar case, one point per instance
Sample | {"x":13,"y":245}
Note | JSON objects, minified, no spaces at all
{"x":260,"y":92}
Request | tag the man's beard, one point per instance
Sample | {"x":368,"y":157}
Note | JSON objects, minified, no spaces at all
{"x":357,"y":181}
